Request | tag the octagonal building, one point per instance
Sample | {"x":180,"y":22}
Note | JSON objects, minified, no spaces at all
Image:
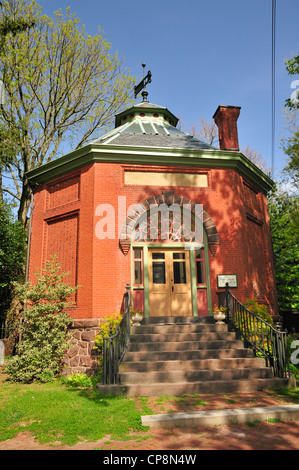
{"x":152,"y":206}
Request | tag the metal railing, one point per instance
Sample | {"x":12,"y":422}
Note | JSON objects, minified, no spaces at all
{"x":270,"y":342}
{"x":115,"y":345}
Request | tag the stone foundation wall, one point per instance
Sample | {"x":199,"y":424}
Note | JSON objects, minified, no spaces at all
{"x":80,"y":358}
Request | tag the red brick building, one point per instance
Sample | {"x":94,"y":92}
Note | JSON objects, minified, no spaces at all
{"x":92,"y":207}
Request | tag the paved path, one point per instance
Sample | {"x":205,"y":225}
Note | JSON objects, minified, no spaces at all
{"x":261,"y":436}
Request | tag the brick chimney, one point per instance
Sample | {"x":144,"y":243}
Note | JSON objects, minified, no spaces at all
{"x":226,"y":119}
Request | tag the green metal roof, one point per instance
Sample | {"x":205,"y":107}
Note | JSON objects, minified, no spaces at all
{"x":147,"y":134}
{"x":149,"y":125}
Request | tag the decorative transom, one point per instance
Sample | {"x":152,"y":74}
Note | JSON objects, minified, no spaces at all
{"x":136,"y":224}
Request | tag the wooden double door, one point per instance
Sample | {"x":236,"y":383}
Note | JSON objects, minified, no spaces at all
{"x":169,"y":283}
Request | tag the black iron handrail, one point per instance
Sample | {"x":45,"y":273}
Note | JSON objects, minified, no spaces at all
{"x":115,"y":345}
{"x":270,"y":342}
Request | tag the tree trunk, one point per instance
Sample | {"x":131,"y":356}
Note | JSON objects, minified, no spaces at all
{"x":24,"y":204}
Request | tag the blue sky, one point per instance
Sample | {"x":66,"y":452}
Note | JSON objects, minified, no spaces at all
{"x":202,"y":54}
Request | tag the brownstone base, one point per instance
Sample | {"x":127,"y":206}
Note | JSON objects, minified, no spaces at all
{"x":80,"y":358}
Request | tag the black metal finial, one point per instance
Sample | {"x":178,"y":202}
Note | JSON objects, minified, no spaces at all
{"x":146,"y":79}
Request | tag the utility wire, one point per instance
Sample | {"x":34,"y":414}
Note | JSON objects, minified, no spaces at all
{"x":273,"y":81}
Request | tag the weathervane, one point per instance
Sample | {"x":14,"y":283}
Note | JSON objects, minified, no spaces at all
{"x":146,"y":79}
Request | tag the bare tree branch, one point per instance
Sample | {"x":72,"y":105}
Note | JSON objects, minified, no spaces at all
{"x":61,"y":84}
{"x":11,"y":193}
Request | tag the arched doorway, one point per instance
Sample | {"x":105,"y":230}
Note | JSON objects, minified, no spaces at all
{"x":169,"y":256}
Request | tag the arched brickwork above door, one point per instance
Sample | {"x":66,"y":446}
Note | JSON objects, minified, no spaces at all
{"x":168,"y":198}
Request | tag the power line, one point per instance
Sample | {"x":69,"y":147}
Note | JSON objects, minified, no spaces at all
{"x":273,"y":80}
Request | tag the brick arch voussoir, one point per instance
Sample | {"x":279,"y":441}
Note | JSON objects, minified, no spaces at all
{"x":168,"y":198}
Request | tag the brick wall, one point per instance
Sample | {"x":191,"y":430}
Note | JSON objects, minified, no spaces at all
{"x":61,"y":239}
{"x":65,"y":219}
{"x":62,"y":224}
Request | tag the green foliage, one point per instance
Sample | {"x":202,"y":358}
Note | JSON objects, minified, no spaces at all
{"x":78,"y":380}
{"x":10,"y":26}
{"x":8,"y":148}
{"x":106,"y":329}
{"x":45,"y":334}
{"x":109,"y":327}
{"x":291,"y":148}
{"x":291,"y":144}
{"x":61,"y":84}
{"x":258,"y":309}
{"x":284,"y":211}
{"x":284,"y":219}
{"x":292,"y":67}
{"x":252,"y":329}
{"x":12,"y":257}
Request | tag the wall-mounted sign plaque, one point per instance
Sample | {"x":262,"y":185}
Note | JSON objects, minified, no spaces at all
{"x":231,"y":279}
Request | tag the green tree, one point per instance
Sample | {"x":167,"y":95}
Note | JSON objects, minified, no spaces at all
{"x":284,"y":206}
{"x":291,"y":148}
{"x":62,"y":85}
{"x":9,"y":25}
{"x":12,"y":257}
{"x":45,"y":334}
{"x":292,"y":67}
{"x":284,"y":217}
{"x":291,"y":144}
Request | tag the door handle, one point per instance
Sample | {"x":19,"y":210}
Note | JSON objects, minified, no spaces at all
{"x":172,"y":288}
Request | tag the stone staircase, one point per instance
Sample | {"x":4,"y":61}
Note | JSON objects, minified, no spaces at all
{"x":174,"y":355}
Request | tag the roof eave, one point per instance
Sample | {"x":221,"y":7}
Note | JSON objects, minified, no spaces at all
{"x":152,"y":156}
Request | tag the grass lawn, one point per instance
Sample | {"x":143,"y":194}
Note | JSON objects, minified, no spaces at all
{"x":54,"y":412}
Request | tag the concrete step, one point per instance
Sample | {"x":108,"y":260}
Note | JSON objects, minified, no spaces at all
{"x":175,"y":376}
{"x":185,"y":346}
{"x":174,"y":355}
{"x":187,"y":355}
{"x":177,"y":320}
{"x":182,"y":337}
{"x":219,"y":417}
{"x":166,"y":329}
{"x":202,"y":387}
{"x":196,"y":364}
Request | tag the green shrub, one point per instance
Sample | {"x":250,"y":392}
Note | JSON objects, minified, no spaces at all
{"x":106,"y":329}
{"x":12,"y":257}
{"x":78,"y":380}
{"x":109,"y":328}
{"x":260,"y":310}
{"x":45,"y":335}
